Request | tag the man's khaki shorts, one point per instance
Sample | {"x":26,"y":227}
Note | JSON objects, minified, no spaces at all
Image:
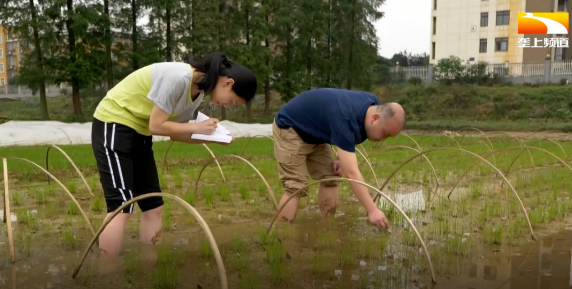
{"x":297,"y":159}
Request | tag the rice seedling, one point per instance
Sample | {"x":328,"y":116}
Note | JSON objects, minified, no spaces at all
{"x":97,"y":204}
{"x":72,"y":187}
{"x":164,"y":277}
{"x":208,"y":194}
{"x":69,"y":239}
{"x":319,"y":265}
{"x":132,"y":265}
{"x":250,"y":280}
{"x":244,"y":191}
{"x":17,"y":198}
{"x":206,"y":250}
{"x":72,"y":209}
{"x":224,"y":192}
{"x":24,"y":241}
{"x":41,"y":196}
{"x":189,"y":197}
{"x":86,"y":277}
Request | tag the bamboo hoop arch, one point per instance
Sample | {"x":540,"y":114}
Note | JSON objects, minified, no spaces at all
{"x":523,"y":149}
{"x":370,"y":166}
{"x":459,"y":145}
{"x":90,"y":227}
{"x":416,"y":143}
{"x":7,"y":213}
{"x":424,"y":157}
{"x":245,"y":145}
{"x":564,"y":163}
{"x":67,"y":136}
{"x":72,"y":163}
{"x":484,"y":134}
{"x":529,"y":154}
{"x":475,"y":155}
{"x":364,"y":150}
{"x":554,"y":142}
{"x":270,"y":191}
{"x":248,"y":142}
{"x":191,"y":209}
{"x":208,"y":149}
{"x":379,"y":193}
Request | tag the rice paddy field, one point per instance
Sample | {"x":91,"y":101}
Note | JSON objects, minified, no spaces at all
{"x":479,"y":211}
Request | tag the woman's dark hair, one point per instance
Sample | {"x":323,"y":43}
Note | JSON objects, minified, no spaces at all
{"x":217,"y":64}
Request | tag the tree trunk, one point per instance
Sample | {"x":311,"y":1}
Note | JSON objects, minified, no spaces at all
{"x":249,"y":104}
{"x":309,"y":63}
{"x":329,"y":46}
{"x":169,"y":56}
{"x":39,"y":58}
{"x":267,"y":80}
{"x":108,"y":41}
{"x":71,"y":43}
{"x":134,"y":58}
{"x":221,"y":45}
{"x":351,"y":47}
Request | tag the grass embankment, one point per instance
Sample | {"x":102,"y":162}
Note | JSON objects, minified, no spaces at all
{"x":482,"y":217}
{"x":509,"y":107}
{"x":429,"y":107}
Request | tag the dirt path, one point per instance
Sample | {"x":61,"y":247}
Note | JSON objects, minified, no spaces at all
{"x":524,"y":135}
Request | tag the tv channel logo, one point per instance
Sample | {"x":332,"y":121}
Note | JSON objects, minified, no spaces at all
{"x":543,"y":23}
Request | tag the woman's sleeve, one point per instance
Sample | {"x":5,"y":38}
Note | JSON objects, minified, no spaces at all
{"x":166,"y":91}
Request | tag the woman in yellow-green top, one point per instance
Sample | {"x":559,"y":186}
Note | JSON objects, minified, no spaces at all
{"x":159,"y":99}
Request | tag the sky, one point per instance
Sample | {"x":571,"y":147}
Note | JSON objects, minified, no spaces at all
{"x":406,"y":25}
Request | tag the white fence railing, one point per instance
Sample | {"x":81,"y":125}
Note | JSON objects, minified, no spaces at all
{"x":512,"y":70}
{"x":23,"y":91}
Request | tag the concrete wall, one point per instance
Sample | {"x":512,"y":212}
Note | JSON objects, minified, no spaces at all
{"x":538,"y":54}
{"x":458,"y":30}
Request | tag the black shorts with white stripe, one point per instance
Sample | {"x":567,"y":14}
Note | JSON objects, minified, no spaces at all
{"x":126,"y":165}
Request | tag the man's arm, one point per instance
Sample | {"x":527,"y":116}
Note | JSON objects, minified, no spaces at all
{"x":350,"y":167}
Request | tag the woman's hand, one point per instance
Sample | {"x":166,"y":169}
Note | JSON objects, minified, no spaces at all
{"x":207,"y":127}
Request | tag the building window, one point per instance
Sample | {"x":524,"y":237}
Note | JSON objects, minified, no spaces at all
{"x":483,"y":46}
{"x":434,"y":4}
{"x":1,"y":67}
{"x":1,"y":53}
{"x":501,"y":44}
{"x":434,"y":25}
{"x":484,"y":19}
{"x":562,"y":6}
{"x":503,"y":17}
{"x":433,"y":51}
{"x":2,"y":82}
{"x":0,"y":38}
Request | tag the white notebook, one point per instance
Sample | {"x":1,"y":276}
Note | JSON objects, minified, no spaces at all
{"x":221,"y":134}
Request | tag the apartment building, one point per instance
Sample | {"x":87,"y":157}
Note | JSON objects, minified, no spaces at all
{"x":9,"y":58}
{"x":487,"y":30}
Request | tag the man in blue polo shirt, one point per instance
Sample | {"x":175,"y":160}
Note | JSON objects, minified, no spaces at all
{"x":305,"y":127}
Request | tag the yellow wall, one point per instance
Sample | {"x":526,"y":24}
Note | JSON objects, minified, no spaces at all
{"x":458,"y":31}
{"x":9,"y":55}
{"x":3,"y":59}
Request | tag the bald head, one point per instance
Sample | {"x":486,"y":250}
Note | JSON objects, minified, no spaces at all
{"x":392,"y":111}
{"x":385,"y":120}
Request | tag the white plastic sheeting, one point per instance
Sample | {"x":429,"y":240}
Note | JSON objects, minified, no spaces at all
{"x":26,"y":133}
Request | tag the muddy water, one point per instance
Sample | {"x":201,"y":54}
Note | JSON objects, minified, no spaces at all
{"x":545,"y":263}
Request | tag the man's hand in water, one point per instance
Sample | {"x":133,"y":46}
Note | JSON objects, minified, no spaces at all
{"x":377,"y":218}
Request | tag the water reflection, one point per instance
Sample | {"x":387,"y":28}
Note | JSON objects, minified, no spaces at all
{"x":544,"y":264}
{"x":408,"y":202}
